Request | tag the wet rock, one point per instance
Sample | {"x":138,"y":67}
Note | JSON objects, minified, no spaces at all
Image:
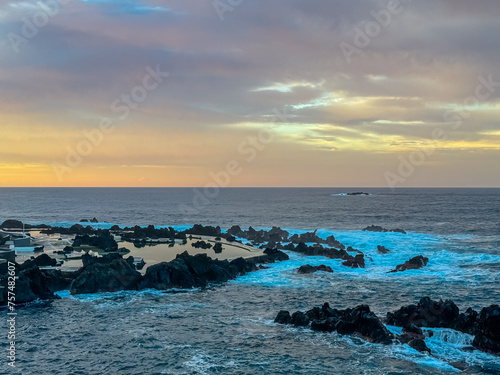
{"x":360,"y":321}
{"x":419,"y":344}
{"x":467,"y":322}
{"x":318,"y":250}
{"x":412,"y":264}
{"x":414,"y":337}
{"x":104,"y":241}
{"x":379,"y":229}
{"x":382,"y":249}
{"x":94,"y":220}
{"x":201,"y":245}
{"x":332,"y":242}
{"x":356,"y":262}
{"x":45,"y":261}
{"x":488,"y":330}
{"x":283,"y":317}
{"x":427,"y":313}
{"x":12,"y":224}
{"x":236,"y":231}
{"x":56,"y":280}
{"x":460,"y":365}
{"x":123,"y":250}
{"x":200,"y":230}
{"x":299,"y":319}
{"x":110,"y":273}
{"x":31,"y":284}
{"x":218,"y":248}
{"x":187,"y":271}
{"x":311,"y":269}
{"x":270,"y":256}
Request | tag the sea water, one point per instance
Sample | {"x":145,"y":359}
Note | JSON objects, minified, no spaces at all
{"x":229,"y":329}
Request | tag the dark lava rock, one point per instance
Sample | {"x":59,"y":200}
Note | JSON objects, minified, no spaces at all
{"x":200,"y":230}
{"x":412,"y":329}
{"x":332,"y":242}
{"x":360,"y":321}
{"x":105,"y":241}
{"x":427,"y":313}
{"x":412,"y":264}
{"x":201,"y":245}
{"x":419,"y":344}
{"x":356,"y":262}
{"x":488,"y":330}
{"x":110,"y":273}
{"x":31,"y":284}
{"x":44,"y":261}
{"x":377,"y":228}
{"x":299,"y":319}
{"x":311,"y":269}
{"x":318,"y":250}
{"x":313,"y":237}
{"x":84,"y":221}
{"x":382,"y":249}
{"x":283,"y":317}
{"x":358,"y":193}
{"x":236,"y":231}
{"x":12,"y":224}
{"x":414,"y":337}
{"x":270,"y":256}
{"x":123,"y":250}
{"x":94,"y":220}
{"x":467,"y":322}
{"x":56,"y":280}
{"x":187,"y":271}
{"x":218,"y":248}
{"x":398,"y":230}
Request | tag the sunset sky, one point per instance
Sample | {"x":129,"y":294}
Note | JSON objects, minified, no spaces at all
{"x":357,"y":107}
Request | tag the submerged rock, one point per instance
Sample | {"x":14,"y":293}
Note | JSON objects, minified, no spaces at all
{"x":382,"y":249}
{"x":412,"y":264}
{"x":311,"y":269}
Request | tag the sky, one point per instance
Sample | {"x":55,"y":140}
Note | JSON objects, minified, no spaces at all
{"x":250,"y":93}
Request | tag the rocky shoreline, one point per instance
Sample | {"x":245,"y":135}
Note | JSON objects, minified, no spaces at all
{"x":40,"y":278}
{"x":360,"y":321}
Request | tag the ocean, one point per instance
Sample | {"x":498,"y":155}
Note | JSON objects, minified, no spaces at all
{"x":229,"y":329}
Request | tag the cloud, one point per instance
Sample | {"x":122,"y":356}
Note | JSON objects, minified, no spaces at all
{"x":225,"y":75}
